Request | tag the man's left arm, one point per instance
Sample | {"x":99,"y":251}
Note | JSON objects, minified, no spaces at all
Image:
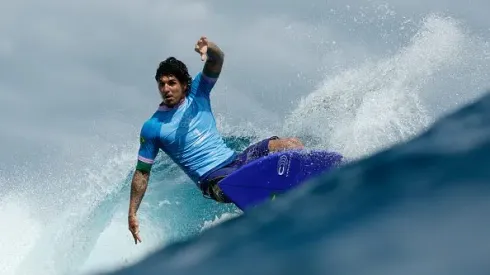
{"x":214,"y":62}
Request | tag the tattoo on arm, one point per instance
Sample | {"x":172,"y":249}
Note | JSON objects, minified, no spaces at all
{"x":138,"y":189}
{"x":214,"y":63}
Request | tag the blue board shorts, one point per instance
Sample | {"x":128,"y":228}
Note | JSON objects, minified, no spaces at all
{"x":209,"y":182}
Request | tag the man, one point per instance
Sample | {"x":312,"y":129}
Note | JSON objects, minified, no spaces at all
{"x":185,"y":129}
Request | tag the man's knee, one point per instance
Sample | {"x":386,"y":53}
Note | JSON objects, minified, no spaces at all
{"x":295,"y":143}
{"x":285,"y":143}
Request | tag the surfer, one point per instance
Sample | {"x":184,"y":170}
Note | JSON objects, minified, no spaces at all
{"x":184,"y":128}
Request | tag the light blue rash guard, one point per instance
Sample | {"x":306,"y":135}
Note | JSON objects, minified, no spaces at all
{"x":187,"y":133}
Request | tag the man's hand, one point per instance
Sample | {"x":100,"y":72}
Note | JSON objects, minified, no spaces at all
{"x":134,"y":228}
{"x":213,"y":56}
{"x":202,"y":47}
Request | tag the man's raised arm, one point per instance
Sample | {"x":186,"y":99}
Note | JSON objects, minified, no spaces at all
{"x":215,"y":57}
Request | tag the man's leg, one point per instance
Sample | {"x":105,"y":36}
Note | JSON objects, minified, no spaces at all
{"x":285,"y":144}
{"x":255,"y":151}
{"x":267,"y":146}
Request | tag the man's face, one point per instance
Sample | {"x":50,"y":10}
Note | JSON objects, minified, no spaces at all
{"x":171,"y":90}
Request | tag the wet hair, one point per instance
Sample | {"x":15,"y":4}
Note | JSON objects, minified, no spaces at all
{"x":175,"y":67}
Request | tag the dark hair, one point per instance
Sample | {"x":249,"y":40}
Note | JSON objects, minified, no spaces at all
{"x":175,"y":67}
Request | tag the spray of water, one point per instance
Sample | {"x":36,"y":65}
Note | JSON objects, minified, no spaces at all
{"x":20,"y":230}
{"x":367,"y":109}
{"x":65,"y":217}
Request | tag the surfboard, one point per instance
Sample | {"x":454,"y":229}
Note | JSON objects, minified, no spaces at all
{"x":267,"y":177}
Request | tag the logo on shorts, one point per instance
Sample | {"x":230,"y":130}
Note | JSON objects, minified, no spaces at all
{"x":142,"y":140}
{"x":283,"y":165}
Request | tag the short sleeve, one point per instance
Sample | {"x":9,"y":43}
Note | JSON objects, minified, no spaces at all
{"x":148,"y":148}
{"x":202,"y":85}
